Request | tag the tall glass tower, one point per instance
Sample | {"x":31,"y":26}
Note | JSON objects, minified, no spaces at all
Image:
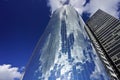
{"x":65,"y":52}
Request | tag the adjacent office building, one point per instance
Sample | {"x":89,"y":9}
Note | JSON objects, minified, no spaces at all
{"x":104,"y":31}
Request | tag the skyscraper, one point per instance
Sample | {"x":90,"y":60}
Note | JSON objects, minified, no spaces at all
{"x":65,"y":52}
{"x":106,"y":32}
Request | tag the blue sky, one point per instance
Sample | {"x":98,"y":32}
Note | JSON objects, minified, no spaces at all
{"x":22,"y":22}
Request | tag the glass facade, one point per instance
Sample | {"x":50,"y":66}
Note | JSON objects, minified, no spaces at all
{"x":65,"y":52}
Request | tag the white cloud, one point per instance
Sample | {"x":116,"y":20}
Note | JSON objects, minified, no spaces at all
{"x":77,"y":4}
{"x":7,"y":72}
{"x":54,"y":4}
{"x":109,"y":6}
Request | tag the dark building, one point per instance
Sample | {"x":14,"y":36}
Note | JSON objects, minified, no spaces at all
{"x":104,"y":31}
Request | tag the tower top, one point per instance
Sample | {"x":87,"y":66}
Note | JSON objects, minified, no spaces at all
{"x":65,"y":2}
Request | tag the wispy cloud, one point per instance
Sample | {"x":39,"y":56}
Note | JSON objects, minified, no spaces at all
{"x":7,"y":72}
{"x":88,"y":6}
{"x":109,"y":6}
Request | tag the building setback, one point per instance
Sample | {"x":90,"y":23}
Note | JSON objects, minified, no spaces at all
{"x":104,"y":31}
